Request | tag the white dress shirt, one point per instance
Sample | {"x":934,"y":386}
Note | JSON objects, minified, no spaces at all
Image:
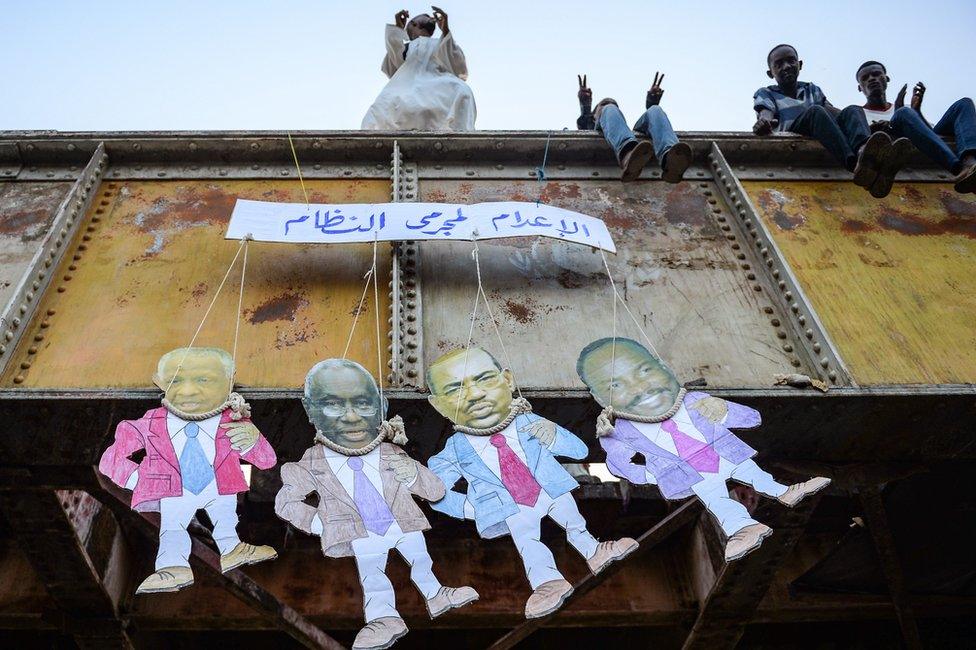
{"x":653,"y":431}
{"x":489,"y":453}
{"x":339,"y":464}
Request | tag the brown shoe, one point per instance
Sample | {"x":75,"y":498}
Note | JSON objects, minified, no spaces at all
{"x":965,"y":181}
{"x":868,"y":161}
{"x":798,"y":491}
{"x":171,"y":578}
{"x":676,"y":162}
{"x":890,"y":163}
{"x":634,"y":160}
{"x":607,"y":552}
{"x":450,"y":598}
{"x":380,"y":633}
{"x":245,"y":553}
{"x":746,"y":540}
{"x":547,"y":598}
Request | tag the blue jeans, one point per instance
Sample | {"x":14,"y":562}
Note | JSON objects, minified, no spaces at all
{"x":654,"y":123}
{"x":958,"y":121}
{"x":841,"y":136}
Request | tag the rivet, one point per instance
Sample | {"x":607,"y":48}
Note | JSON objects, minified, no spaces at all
{"x":316,"y":166}
{"x":255,"y":167}
{"x":499,"y":166}
{"x":764,"y":251}
{"x":824,"y":362}
{"x":160,"y":174}
{"x":19,"y":379}
{"x":751,"y":276}
{"x":816,"y":348}
{"x":137,"y":146}
{"x":8,"y":335}
{"x":802,"y":320}
{"x":832,"y":375}
{"x":776,"y":273}
{"x":39,"y":337}
{"x":411,"y":373}
{"x":782,"y":285}
{"x":730,"y":237}
{"x":795,"y":363}
{"x":788,"y":295}
{"x":32,"y":349}
{"x":768,"y":310}
{"x":222,"y":172}
{"x":774,"y":322}
{"x":438,"y":146}
{"x":781,"y":334}
{"x":47,"y":264}
{"x":745,"y":265}
{"x":756,"y":287}
{"x":470,"y":172}
{"x":787,"y":347}
{"x":284,"y":172}
{"x":25,"y":365}
{"x":62,"y":289}
{"x":795,"y":307}
{"x":254,"y":145}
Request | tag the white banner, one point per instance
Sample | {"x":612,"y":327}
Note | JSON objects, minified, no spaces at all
{"x":320,"y":223}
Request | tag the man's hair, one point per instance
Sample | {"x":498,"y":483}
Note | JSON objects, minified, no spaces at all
{"x":857,"y":75}
{"x":335,"y":364}
{"x":450,"y":355}
{"x":776,"y":47}
{"x":602,"y":343}
{"x":225,"y":359}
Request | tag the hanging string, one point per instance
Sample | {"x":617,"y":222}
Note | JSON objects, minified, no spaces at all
{"x":376,"y":313}
{"x":362,"y":300}
{"x":623,"y":302}
{"x":540,"y":172}
{"x":494,"y":323}
{"x":467,"y":347}
{"x":240,"y":305}
{"x":193,"y":340}
{"x":299,"y":168}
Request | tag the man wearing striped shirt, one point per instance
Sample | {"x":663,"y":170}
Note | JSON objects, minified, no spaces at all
{"x":800,"y":107}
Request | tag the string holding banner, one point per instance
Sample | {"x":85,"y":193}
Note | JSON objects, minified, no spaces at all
{"x":367,"y":222}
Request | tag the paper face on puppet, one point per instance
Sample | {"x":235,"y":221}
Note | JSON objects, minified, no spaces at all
{"x":195,"y":380}
{"x":343,"y":402}
{"x":470,"y":388}
{"x":639,"y":382}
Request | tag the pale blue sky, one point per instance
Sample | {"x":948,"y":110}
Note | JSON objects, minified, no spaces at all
{"x":303,"y":64}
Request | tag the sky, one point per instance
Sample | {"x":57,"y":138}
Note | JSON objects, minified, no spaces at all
{"x":301,"y":64}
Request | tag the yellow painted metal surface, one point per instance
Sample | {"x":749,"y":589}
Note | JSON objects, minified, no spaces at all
{"x":894,"y":281}
{"x":137,"y":281}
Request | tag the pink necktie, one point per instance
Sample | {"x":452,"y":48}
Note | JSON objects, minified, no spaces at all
{"x":516,"y":476}
{"x":698,"y":454}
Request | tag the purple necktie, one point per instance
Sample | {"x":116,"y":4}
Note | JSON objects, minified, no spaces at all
{"x":371,"y":505}
{"x":698,"y":454}
{"x":516,"y":477}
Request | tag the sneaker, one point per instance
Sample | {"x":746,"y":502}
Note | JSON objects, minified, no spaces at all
{"x":746,"y":541}
{"x":965,"y":181}
{"x":380,"y":633}
{"x":607,"y":552}
{"x":547,"y":598}
{"x":171,"y":578}
{"x":634,"y":160}
{"x":450,"y":598}
{"x":891,"y":162}
{"x":868,"y":162}
{"x":799,"y":491}
{"x":245,"y":553}
{"x":676,"y":161}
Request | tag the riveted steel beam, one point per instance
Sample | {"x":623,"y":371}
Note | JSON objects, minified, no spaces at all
{"x":786,"y":291}
{"x":406,"y":360}
{"x":23,"y":304}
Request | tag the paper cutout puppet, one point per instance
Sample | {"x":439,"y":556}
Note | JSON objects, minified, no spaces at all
{"x":507,"y":455}
{"x":683,"y":436}
{"x":194,"y":444}
{"x":365,"y":487}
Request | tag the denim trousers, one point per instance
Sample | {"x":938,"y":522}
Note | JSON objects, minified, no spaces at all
{"x":842,"y":136}
{"x":654,"y":123}
{"x":959,"y":121}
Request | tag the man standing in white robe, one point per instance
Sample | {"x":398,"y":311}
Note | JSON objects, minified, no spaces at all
{"x":427,"y":89}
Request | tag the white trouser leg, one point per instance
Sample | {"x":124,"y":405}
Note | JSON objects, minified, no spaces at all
{"x":379,"y":600}
{"x":714,"y":493}
{"x":540,"y":565}
{"x":761,"y":481}
{"x":222,"y":510}
{"x":565,"y":512}
{"x":413,"y":548}
{"x":175,"y":514}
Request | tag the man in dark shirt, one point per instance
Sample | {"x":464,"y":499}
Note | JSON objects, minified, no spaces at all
{"x":633,"y":154}
{"x":900,"y":120}
{"x":801,"y":107}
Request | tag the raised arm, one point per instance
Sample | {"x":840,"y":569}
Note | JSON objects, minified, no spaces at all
{"x":585,"y":121}
{"x":655,"y":92}
{"x":395,"y":37}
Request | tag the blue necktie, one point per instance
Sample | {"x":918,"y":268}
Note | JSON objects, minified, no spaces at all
{"x":196,"y":471}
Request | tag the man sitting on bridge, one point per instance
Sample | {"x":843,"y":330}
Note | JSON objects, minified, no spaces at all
{"x":632,"y":154}
{"x":907,"y":121}
{"x":800,"y":107}
{"x":427,"y":89}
